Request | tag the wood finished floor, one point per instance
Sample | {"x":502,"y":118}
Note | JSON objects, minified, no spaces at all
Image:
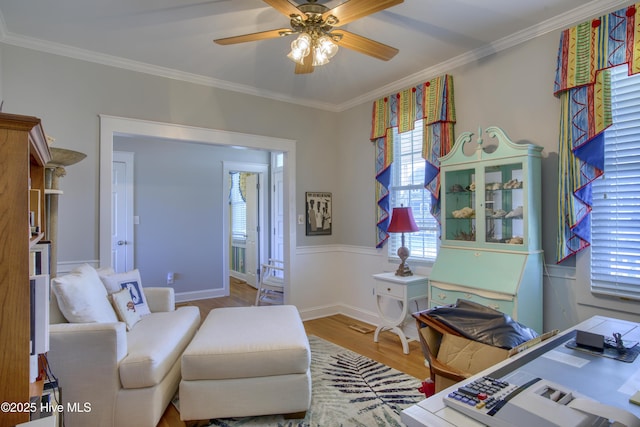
{"x":333,"y":328}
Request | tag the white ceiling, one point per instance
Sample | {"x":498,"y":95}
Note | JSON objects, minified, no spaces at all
{"x":173,"y":38}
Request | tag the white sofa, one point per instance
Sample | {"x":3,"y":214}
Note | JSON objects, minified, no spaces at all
{"x":127,"y":378}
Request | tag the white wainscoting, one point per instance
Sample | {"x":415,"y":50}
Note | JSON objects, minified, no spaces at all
{"x":337,"y":279}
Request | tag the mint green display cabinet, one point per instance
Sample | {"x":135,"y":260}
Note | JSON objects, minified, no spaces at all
{"x":490,"y":249}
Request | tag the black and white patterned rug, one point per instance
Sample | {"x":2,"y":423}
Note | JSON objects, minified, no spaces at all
{"x":348,"y":389}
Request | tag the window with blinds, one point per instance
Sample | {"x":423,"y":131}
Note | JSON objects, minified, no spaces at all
{"x":238,"y":210}
{"x":615,"y":218}
{"x":407,"y":189}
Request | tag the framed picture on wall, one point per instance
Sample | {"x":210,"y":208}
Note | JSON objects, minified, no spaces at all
{"x":318,"y":213}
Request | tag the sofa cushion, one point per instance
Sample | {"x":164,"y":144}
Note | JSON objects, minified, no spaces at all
{"x":155,"y":344}
{"x":81,"y":296}
{"x":130,"y":280}
{"x":125,"y":308}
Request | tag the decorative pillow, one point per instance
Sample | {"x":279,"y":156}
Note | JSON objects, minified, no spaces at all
{"x":125,"y":308}
{"x":82,"y":297}
{"x":131,"y":281}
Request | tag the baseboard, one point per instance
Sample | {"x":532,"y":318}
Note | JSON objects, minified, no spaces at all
{"x":360,"y":314}
{"x":331,"y":310}
{"x":319,"y":312}
{"x":356,"y":313}
{"x":197,"y":295}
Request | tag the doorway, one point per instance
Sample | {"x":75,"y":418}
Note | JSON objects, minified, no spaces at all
{"x":122,"y":238}
{"x":247,"y":214}
{"x":111,"y":126}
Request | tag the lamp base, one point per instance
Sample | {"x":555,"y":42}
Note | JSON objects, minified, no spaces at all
{"x":404,"y":270}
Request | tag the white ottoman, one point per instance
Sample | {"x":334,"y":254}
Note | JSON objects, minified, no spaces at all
{"x":247,"y":361}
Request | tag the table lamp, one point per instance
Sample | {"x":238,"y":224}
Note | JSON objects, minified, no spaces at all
{"x":402,"y":222}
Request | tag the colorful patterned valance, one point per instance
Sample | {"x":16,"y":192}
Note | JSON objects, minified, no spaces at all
{"x":431,"y":101}
{"x":596,"y":45}
{"x":583,"y":86}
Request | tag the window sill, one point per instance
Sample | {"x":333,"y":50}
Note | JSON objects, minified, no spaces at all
{"x":413,"y":261}
{"x":586,"y":297}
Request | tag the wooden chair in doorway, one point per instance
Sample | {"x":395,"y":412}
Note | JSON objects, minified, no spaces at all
{"x":271,"y":284}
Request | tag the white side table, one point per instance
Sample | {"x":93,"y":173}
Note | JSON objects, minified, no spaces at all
{"x":403,"y":289}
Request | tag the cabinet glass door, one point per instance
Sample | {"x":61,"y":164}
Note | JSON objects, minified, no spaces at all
{"x":504,"y":204}
{"x":460,"y":215}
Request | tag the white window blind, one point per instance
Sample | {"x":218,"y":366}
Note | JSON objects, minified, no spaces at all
{"x":238,"y":210}
{"x":615,"y":221}
{"x":407,"y":189}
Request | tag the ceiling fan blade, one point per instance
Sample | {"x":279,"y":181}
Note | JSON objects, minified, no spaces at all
{"x":286,"y":8}
{"x":364,"y":45}
{"x":263,"y":35}
{"x":307,"y":66}
{"x":351,"y":10}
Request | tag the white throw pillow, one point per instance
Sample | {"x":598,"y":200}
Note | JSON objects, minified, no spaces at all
{"x":131,"y":281}
{"x":125,"y":308}
{"x":82,"y":297}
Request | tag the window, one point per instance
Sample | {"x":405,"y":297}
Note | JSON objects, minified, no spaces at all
{"x":238,"y":210}
{"x":278,"y":161}
{"x":407,"y":189}
{"x":615,"y":218}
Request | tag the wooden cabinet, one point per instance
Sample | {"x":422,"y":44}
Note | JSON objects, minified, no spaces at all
{"x":23,"y":155}
{"x":491,"y":238}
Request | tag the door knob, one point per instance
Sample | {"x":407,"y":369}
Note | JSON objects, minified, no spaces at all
{"x":122,"y":242}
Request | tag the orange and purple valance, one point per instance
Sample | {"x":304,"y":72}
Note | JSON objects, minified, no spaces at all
{"x":431,"y":101}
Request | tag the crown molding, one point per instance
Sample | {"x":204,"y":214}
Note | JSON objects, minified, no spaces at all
{"x":131,"y":65}
{"x":587,"y":11}
{"x":573,"y":17}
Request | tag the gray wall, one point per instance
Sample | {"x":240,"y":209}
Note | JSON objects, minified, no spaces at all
{"x":511,"y":89}
{"x":179,"y":199}
{"x":68,"y":95}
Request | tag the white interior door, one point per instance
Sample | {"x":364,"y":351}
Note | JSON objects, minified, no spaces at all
{"x":252,"y":254}
{"x":122,"y":241}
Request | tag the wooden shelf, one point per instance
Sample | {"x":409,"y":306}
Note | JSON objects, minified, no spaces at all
{"x":35,"y":239}
{"x":35,"y":388}
{"x":23,"y":155}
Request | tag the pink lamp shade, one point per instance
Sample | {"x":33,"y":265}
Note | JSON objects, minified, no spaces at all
{"x":402,"y":221}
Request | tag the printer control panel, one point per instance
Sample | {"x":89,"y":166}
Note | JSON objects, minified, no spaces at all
{"x":484,"y":396}
{"x":536,"y":403}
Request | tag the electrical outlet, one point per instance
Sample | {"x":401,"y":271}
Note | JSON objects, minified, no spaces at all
{"x":170,"y":278}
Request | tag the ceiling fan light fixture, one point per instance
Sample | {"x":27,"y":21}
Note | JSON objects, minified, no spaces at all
{"x":300,"y":48}
{"x":297,"y":56}
{"x":314,"y":23}
{"x":323,"y":50}
{"x":319,"y":58}
{"x":327,"y":46}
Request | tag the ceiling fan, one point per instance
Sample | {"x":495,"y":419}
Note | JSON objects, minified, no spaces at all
{"x":318,"y":38}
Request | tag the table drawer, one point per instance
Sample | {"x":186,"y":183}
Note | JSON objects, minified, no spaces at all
{"x":393,"y":290}
{"x":439,"y":296}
